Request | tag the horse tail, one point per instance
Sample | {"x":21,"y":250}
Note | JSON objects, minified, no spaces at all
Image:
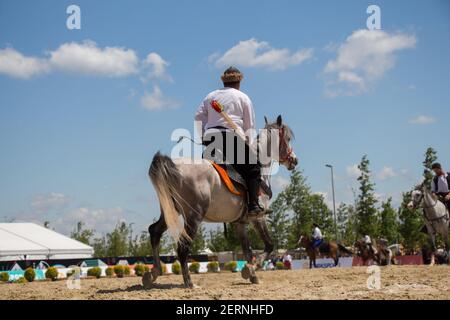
{"x":344,"y":249}
{"x":166,"y":178}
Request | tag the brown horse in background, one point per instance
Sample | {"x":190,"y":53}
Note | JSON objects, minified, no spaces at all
{"x":330,"y":249}
{"x":364,"y":252}
{"x":382,"y":256}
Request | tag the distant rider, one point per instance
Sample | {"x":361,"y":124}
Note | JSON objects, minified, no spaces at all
{"x":368,"y":242}
{"x":441,"y":184}
{"x":317,"y":236}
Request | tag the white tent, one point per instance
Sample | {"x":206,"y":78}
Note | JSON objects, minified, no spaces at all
{"x":20,"y":241}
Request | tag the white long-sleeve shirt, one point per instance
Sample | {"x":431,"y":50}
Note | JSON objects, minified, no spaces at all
{"x":236,"y":104}
{"x":317,"y":234}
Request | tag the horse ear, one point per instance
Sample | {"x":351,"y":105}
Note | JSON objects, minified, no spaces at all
{"x":267,"y":121}
{"x":279,"y":120}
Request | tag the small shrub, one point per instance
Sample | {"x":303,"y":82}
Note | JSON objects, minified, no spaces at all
{"x":29,"y":274}
{"x":213,"y":266}
{"x":164,"y":268}
{"x":119,"y":271}
{"x":126,"y":270}
{"x":194,"y":267}
{"x":231,"y":266}
{"x":95,"y":272}
{"x":4,"y":276}
{"x":51,"y":273}
{"x":176,"y":267}
{"x":279,"y":265}
{"x":140,"y":269}
{"x":109,"y":272}
{"x":21,"y":280}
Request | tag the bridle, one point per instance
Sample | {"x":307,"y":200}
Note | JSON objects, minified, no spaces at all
{"x":284,"y":144}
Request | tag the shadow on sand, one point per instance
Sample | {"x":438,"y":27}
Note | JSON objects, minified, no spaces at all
{"x":139,"y":287}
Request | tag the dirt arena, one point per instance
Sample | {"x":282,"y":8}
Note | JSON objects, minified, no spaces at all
{"x":397,"y":282}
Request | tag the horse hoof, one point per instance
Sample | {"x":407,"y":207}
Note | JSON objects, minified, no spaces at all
{"x":155,"y":274}
{"x":147,"y":280}
{"x":254,"y":280}
{"x":245,"y":272}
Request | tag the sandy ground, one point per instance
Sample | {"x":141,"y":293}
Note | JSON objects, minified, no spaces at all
{"x":397,"y":282}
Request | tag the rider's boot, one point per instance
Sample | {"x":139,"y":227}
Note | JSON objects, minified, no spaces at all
{"x":254,"y":209}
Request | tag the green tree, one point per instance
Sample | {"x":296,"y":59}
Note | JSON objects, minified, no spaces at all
{"x":141,"y":246}
{"x":321,"y":214}
{"x":430,"y":158}
{"x":199,"y":242}
{"x":297,"y":197}
{"x":296,"y":208}
{"x":278,"y":222}
{"x":217,"y":241}
{"x":411,"y":222}
{"x":81,"y":234}
{"x":117,"y":240}
{"x":366,"y":212}
{"x":99,"y":245}
{"x":345,"y":216}
{"x":388,"y":222}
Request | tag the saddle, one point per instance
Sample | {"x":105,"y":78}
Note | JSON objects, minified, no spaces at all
{"x":233,"y":180}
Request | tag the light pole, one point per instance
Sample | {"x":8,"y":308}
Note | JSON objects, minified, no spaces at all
{"x":131,"y":234}
{"x":334,"y":200}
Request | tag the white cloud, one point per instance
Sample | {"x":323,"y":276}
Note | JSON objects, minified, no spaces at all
{"x":424,"y":120}
{"x":78,"y":58}
{"x":279,"y":182}
{"x":102,"y":220}
{"x":156,"y":100}
{"x":47,"y":202}
{"x":364,"y":57}
{"x":15,"y":64}
{"x":386,"y":173}
{"x":254,"y":53}
{"x":157,"y":66}
{"x":353,"y":171}
{"x":87,"y":58}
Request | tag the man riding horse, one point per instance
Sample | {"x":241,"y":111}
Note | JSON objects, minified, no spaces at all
{"x":239,"y":108}
{"x":191,"y":192}
{"x":441,"y":184}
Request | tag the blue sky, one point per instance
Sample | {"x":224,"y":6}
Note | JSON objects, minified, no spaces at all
{"x":83,"y":111}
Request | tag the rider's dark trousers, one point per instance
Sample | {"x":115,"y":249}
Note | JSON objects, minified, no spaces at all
{"x":249,"y":168}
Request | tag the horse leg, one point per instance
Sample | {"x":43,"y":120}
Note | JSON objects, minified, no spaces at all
{"x":248,"y":272}
{"x":336,"y":258}
{"x":334,"y":253}
{"x":261,"y":227}
{"x":183,"y":249}
{"x":433,"y":242}
{"x":156,"y":231}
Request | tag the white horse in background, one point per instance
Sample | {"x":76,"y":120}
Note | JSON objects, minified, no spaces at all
{"x":435,"y":213}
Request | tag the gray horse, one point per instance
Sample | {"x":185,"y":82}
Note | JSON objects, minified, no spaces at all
{"x":190,"y":193}
{"x":435,"y":213}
